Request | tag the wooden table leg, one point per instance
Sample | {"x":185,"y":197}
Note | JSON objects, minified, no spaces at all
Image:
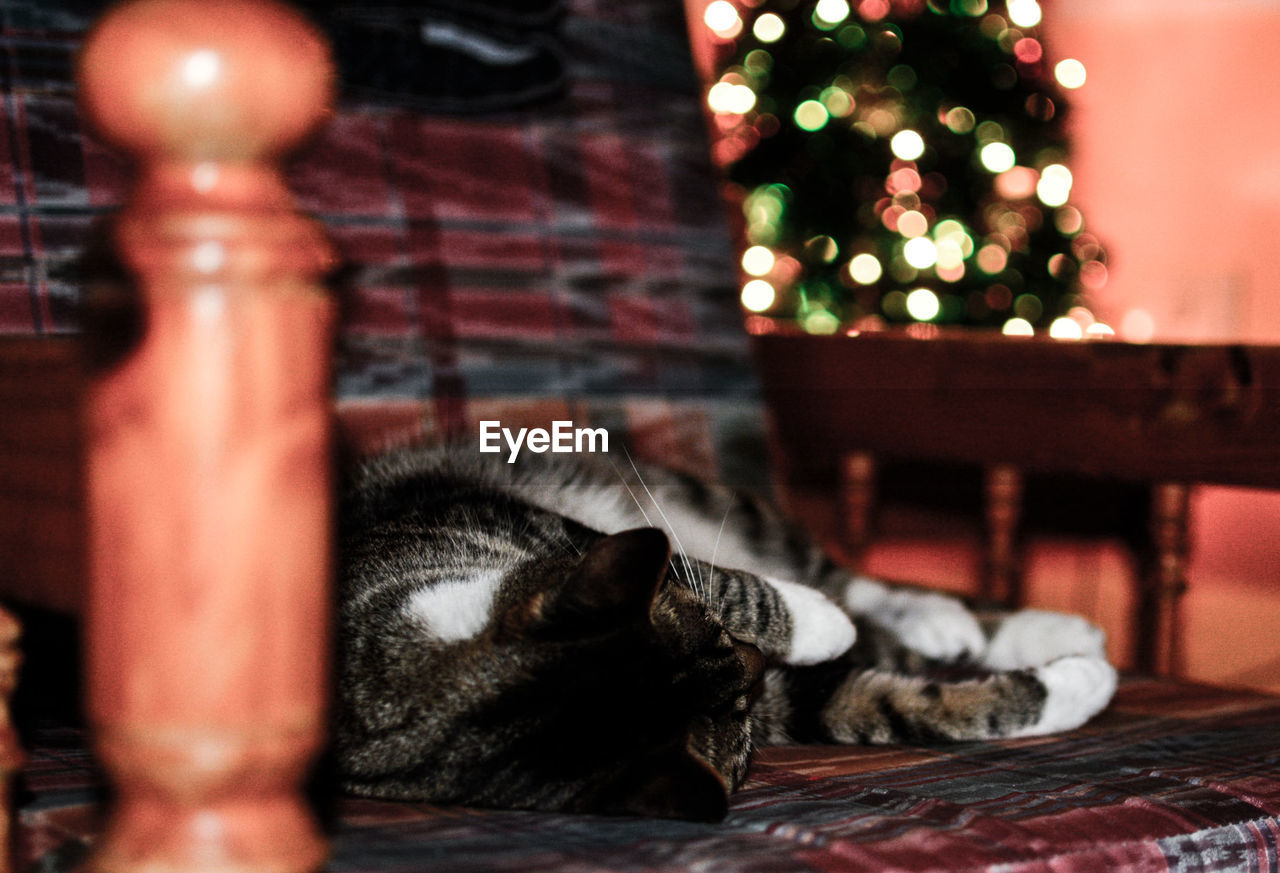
{"x":1002,"y":573}
{"x":1158,"y":623}
{"x":10,"y":751}
{"x":857,"y":498}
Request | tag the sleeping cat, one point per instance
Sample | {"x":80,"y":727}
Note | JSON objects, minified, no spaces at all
{"x":523,"y":636}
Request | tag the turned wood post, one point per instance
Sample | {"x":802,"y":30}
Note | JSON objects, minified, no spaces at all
{"x":10,"y":751}
{"x":1158,"y":620}
{"x":1002,"y":512}
{"x":208,"y":482}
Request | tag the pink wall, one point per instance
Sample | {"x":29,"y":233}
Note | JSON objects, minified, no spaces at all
{"x":1177,"y":161}
{"x":1177,"y":168}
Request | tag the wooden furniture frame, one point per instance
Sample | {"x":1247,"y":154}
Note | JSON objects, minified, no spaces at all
{"x":1165,"y":414}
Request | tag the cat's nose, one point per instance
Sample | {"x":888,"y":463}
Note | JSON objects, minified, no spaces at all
{"x":752,"y":659}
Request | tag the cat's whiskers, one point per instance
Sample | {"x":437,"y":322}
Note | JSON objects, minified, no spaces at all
{"x":700,"y":586}
{"x":689,"y":578}
{"x":711,"y":573}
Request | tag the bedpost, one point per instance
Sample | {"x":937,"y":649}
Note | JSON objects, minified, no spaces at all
{"x":208,"y":484}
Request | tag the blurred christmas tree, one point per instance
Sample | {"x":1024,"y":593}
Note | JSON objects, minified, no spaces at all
{"x":902,"y":162}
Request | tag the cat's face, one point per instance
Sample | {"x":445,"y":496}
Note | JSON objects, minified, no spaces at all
{"x":643,"y":695}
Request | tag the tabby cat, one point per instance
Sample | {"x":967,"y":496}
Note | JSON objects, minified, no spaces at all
{"x":521,"y":636}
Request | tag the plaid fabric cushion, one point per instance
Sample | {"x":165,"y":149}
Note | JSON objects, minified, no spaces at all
{"x":574,"y":249}
{"x":1172,"y":777}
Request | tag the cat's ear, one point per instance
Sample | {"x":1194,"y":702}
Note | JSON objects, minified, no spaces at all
{"x":683,"y":786}
{"x":619,"y":576}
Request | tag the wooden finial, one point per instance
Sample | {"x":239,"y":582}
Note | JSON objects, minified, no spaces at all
{"x":205,"y":80}
{"x":208,"y":483}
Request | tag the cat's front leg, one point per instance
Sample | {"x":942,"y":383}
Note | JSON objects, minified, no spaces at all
{"x":791,"y":623}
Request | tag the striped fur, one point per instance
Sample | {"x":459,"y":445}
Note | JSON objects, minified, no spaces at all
{"x":523,"y":636}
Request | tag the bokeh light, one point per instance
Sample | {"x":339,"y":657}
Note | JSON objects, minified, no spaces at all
{"x":821,"y":321}
{"x":1018,"y":327}
{"x":1024,"y":13}
{"x":1070,"y":73}
{"x":992,"y":259}
{"x":907,"y":145}
{"x":769,"y":27}
{"x":811,"y":115}
{"x":758,"y":295}
{"x":758,"y":260}
{"x":1137,"y":326}
{"x":829,"y":13}
{"x":912,"y":224}
{"x":865,"y":268}
{"x":997,"y":157}
{"x":731,"y":99}
{"x":1054,"y":187}
{"x":920,"y":252}
{"x":923,"y":304}
{"x":721,"y":18}
{"x":1066,"y":329}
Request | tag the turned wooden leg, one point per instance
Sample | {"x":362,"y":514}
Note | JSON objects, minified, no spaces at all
{"x":208,"y":484}
{"x":857,"y":499}
{"x":10,"y":751}
{"x":1158,"y":623}
{"x":1002,"y":571}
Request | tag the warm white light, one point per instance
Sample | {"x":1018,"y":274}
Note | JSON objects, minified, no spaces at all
{"x":1070,"y":73}
{"x":1018,"y":327}
{"x":922,"y":304}
{"x":758,"y":295}
{"x":1099,"y":330}
{"x":865,"y":268}
{"x":1024,"y":13}
{"x":907,"y":145}
{"x":758,"y":260}
{"x":208,"y":257}
{"x":769,"y":28}
{"x":1066,"y":329}
{"x":201,"y":69}
{"x":1054,"y":187}
{"x":722,"y":18}
{"x":997,"y":157}
{"x":731,"y":99}
{"x":920,"y":252}
{"x":831,"y":11}
{"x":950,"y":253}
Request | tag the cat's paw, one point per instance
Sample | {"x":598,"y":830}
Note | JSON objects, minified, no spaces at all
{"x":820,"y":630}
{"x":932,"y":624}
{"x":1077,"y":688}
{"x":1032,"y":637}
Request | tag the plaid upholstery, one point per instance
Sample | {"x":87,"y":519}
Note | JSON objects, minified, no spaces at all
{"x":576,"y":250}
{"x":1172,"y":777}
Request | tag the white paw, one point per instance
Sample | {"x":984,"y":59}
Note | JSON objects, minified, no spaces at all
{"x":820,"y":630}
{"x":1079,"y":687}
{"x":935,"y":625}
{"x":1033,"y":637}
